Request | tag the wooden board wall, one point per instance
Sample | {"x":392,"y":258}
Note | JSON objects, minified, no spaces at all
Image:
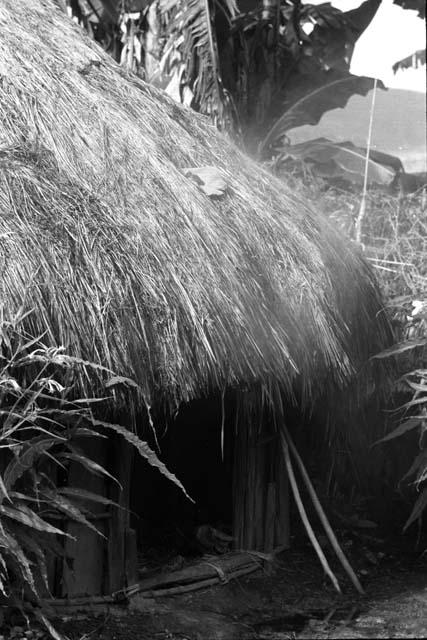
{"x":85,"y":572}
{"x":101,"y":565}
{"x":260,"y":491}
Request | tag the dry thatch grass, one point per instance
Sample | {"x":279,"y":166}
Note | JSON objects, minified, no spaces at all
{"x":127,"y":263}
{"x":394,"y":236}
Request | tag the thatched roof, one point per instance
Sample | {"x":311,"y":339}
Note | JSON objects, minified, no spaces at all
{"x":128,"y":263}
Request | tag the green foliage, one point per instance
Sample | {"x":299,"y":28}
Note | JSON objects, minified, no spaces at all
{"x":339,"y":160}
{"x":417,"y":406}
{"x":190,"y":57}
{"x":410,"y":354}
{"x":38,"y":424}
{"x":394,"y":236}
{"x":41,"y":423}
{"x":309,"y":108}
{"x":245,"y":64}
{"x":395,"y":239}
{"x":230,"y":62}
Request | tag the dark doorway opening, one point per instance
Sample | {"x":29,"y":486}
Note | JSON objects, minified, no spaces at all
{"x":197,"y":446}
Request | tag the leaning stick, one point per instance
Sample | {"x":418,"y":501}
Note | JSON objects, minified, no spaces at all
{"x":303,"y":514}
{"x":323,"y":517}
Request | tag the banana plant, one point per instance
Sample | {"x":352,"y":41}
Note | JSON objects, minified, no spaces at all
{"x":190,"y":57}
{"x":343,"y":160}
{"x":310,"y":107}
{"x":226,"y":60}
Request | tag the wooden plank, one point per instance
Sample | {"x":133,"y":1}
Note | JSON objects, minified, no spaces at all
{"x":260,"y":492}
{"x":131,"y":557}
{"x":241,"y":467}
{"x":84,"y":574}
{"x":250,"y":486}
{"x":282,"y":522}
{"x":121,"y":469}
{"x":270,"y":517}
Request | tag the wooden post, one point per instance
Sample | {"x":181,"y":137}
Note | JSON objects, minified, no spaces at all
{"x":121,"y":469}
{"x":84,"y":572}
{"x":131,"y":557}
{"x":282,"y":525}
{"x":270,"y":518}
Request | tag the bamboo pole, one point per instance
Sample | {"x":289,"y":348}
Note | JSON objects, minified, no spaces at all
{"x":297,"y":497}
{"x":322,"y":516}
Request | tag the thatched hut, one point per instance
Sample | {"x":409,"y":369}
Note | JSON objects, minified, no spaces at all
{"x":125,"y":259}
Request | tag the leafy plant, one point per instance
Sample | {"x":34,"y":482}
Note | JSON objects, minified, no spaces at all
{"x":241,"y":64}
{"x":310,"y":107}
{"x":230,"y":62}
{"x":190,"y":56}
{"x":414,"y":349}
{"x":342,"y":160}
{"x":41,"y":422}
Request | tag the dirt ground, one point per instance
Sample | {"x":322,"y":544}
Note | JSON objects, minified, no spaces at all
{"x":293,"y":599}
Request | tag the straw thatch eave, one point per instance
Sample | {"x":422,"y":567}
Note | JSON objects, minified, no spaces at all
{"x":126,"y":262}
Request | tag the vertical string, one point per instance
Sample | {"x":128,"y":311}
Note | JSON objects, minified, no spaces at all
{"x":362,"y":210}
